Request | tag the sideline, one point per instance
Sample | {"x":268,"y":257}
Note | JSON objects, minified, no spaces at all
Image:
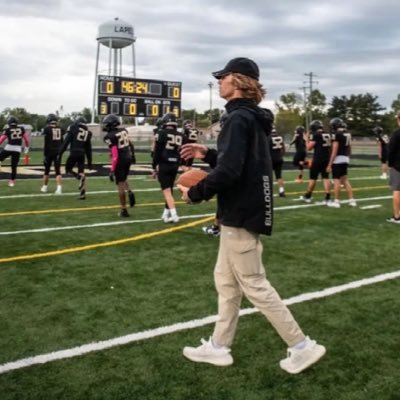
{"x":180,"y":326}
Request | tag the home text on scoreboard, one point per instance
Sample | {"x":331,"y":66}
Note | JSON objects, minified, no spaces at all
{"x":133,"y":97}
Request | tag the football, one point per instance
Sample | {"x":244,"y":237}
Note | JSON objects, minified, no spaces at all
{"x":191,"y":177}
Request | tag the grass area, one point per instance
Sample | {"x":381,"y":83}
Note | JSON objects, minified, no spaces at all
{"x":60,"y":301}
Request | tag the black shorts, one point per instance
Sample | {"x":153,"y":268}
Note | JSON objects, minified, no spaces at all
{"x":277,"y":167}
{"x":167,"y":174}
{"x":75,"y":159}
{"x":122,"y":169}
{"x":300,"y":156}
{"x":319,"y":167}
{"x":51,"y":158}
{"x":339,"y":170}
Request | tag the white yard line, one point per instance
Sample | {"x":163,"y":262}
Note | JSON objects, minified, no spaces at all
{"x":180,"y":326}
{"x":138,"y":221}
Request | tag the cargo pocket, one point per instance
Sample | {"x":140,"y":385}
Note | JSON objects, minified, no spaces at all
{"x":245,"y":252}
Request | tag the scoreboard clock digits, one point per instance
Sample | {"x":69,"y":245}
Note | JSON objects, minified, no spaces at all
{"x":125,"y":96}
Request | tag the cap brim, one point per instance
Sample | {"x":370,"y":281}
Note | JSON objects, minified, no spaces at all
{"x":219,"y":74}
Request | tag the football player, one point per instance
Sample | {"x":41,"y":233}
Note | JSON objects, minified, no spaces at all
{"x":79,"y":138}
{"x":166,"y":162}
{"x":339,"y":161}
{"x":383,"y":141}
{"x":277,"y":147}
{"x":320,"y":142}
{"x":122,"y":156}
{"x":53,"y":137}
{"x":191,"y":136}
{"x":14,"y":134}
{"x":300,"y":155}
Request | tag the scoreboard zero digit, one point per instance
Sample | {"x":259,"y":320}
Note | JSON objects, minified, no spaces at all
{"x":132,"y":97}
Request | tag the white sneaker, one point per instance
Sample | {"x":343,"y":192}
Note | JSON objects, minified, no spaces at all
{"x":11,"y":183}
{"x":299,"y":359}
{"x":43,"y":189}
{"x":174,"y":219}
{"x":352,"y":203}
{"x":165,"y":215}
{"x":383,"y":176}
{"x":334,"y":204}
{"x":207,"y":353}
{"x":58,"y":191}
{"x":305,"y":199}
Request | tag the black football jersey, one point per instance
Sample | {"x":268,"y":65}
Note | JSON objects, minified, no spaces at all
{"x":299,"y":142}
{"x":119,"y":138}
{"x":53,"y":138}
{"x":276,"y":145}
{"x":322,"y":147}
{"x":79,"y":138}
{"x":344,"y":142}
{"x":14,"y":135}
{"x":192,"y":135}
{"x":167,"y":146}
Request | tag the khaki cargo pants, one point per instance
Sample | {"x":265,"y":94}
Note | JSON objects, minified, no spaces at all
{"x":239,"y":270}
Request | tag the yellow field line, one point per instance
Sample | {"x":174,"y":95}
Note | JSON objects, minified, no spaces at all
{"x":61,"y":210}
{"x":106,"y":244}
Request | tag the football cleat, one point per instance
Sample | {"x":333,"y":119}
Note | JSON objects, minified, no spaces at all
{"x":124,"y":213}
{"x":212,"y":230}
{"x":43,"y":189}
{"x":306,"y":199}
{"x":11,"y":183}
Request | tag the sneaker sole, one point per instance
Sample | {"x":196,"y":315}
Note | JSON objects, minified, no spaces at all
{"x":217,"y":362}
{"x":317,"y":356}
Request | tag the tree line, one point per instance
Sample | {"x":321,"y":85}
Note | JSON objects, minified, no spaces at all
{"x":361,"y":112}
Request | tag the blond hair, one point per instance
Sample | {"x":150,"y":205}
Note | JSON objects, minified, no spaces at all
{"x":250,"y":88}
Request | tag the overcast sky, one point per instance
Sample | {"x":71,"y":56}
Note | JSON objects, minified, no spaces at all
{"x":48,"y":47}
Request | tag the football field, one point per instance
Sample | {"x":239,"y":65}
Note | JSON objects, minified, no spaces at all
{"x":93,"y":306}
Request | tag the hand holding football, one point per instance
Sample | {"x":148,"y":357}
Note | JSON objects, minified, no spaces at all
{"x":191,"y":177}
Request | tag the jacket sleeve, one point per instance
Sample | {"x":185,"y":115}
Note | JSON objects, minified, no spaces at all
{"x":232,"y":152}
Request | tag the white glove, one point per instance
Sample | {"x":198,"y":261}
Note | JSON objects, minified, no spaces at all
{"x":26,"y":150}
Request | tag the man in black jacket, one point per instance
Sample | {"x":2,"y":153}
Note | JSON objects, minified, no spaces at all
{"x":242,"y":180}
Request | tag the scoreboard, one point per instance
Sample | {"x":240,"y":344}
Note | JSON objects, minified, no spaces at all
{"x":132,"y":97}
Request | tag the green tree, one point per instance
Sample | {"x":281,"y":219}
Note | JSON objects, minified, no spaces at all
{"x":290,"y":101}
{"x":361,"y":112}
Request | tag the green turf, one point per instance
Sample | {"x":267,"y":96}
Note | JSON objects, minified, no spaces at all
{"x":56,"y":302}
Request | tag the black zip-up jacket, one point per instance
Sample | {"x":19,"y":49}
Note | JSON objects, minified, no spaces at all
{"x":242,"y":170}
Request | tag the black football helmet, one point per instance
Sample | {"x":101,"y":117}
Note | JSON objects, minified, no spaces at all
{"x":378,"y":130}
{"x":12,"y":121}
{"x":169,"y":119}
{"x":110,"y":121}
{"x":336,"y":123}
{"x":51,"y":118}
{"x":299,"y":129}
{"x":80,"y":120}
{"x":315,"y":125}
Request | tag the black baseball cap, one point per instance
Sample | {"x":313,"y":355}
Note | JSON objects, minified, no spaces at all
{"x":241,"y":65}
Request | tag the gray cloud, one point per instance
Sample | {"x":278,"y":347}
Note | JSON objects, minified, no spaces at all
{"x":352,"y":47}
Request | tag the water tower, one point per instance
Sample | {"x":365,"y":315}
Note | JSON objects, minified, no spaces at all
{"x":116,"y":35}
